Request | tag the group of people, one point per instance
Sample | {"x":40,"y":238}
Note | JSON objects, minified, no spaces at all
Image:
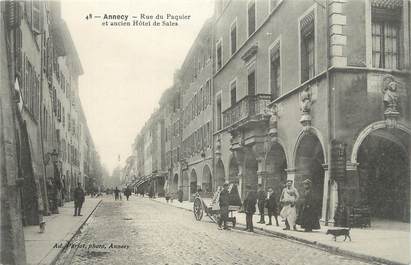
{"x":306,"y":214}
{"x":117,"y":193}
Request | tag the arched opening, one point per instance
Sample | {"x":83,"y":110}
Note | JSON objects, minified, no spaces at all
{"x":220,"y":173}
{"x":250,"y":175}
{"x":193,"y":182}
{"x":233,"y":171}
{"x":308,"y":164}
{"x":207,"y":180}
{"x":384,"y":174}
{"x":175,"y":183}
{"x":276,"y":164}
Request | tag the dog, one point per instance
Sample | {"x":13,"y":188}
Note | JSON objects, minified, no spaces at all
{"x":339,"y":232}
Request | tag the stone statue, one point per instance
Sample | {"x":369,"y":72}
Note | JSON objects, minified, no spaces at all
{"x":305,"y":100}
{"x":390,"y":95}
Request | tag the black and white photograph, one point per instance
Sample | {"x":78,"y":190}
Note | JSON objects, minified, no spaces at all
{"x":205,"y":132}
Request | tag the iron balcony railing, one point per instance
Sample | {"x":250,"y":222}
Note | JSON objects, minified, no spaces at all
{"x":247,"y":108}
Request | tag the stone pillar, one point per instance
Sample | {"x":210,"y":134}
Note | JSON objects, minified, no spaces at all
{"x":261,"y":173}
{"x":324,"y":210}
{"x":333,"y":202}
{"x":290,"y":174}
{"x":338,"y":39}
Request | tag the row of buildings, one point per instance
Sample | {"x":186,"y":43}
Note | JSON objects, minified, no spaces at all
{"x":280,"y":89}
{"x":45,"y":146}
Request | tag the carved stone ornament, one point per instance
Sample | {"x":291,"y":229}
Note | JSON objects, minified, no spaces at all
{"x":218,"y":147}
{"x":391,"y":100}
{"x":305,"y":106}
{"x":272,"y":112}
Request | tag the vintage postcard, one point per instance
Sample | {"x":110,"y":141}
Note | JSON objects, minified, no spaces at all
{"x":205,"y":132}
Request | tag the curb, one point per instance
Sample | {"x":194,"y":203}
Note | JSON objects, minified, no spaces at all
{"x":318,"y":245}
{"x":71,"y":236}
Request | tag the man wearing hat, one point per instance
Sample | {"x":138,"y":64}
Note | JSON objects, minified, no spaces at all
{"x":224,"y":203}
{"x":78,"y":200}
{"x":310,"y":215}
{"x":289,"y":197}
{"x":249,"y":207}
{"x":261,"y":196}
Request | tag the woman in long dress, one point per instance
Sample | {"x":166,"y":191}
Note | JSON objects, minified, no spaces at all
{"x":309,"y":217}
{"x":288,"y":198}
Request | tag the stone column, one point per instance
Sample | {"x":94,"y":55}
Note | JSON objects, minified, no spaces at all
{"x":324,"y":210}
{"x":333,"y":202}
{"x":261,"y":173}
{"x":290,"y":174}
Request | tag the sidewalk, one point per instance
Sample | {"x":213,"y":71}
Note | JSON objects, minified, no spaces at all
{"x":373,"y":244}
{"x":59,"y":228}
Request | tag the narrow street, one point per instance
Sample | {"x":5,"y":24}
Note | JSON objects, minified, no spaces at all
{"x":142,"y":231}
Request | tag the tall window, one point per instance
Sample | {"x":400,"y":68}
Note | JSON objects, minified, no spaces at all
{"x":218,"y":117}
{"x":251,"y":17}
{"x":275,"y":71}
{"x":386,"y":38}
{"x":307,"y":47}
{"x":233,"y":92}
{"x":219,"y":55}
{"x":251,"y":82}
{"x":233,"y":37}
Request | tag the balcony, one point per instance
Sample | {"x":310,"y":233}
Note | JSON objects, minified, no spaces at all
{"x":248,"y":110}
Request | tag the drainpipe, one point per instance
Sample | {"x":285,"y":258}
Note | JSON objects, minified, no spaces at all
{"x":329,"y":114}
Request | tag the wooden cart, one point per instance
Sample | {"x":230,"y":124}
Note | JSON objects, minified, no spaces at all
{"x":210,"y":208}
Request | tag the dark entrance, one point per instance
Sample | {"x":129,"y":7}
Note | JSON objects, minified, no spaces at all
{"x":384,"y":174}
{"x":308,"y":163}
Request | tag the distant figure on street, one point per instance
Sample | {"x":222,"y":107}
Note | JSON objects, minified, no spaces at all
{"x":271,"y":204}
{"x":116,"y":193}
{"x":309,"y":216}
{"x":249,"y":208}
{"x":180,"y":195}
{"x":127,"y":192}
{"x":224,"y":203}
{"x":78,"y":199}
{"x":288,"y":198}
{"x":261,"y":196}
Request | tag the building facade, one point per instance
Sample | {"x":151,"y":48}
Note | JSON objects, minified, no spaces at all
{"x":299,"y":90}
{"x":51,"y":146}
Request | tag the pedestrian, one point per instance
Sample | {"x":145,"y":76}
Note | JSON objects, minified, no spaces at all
{"x":180,"y":195}
{"x":223,"y":201}
{"x":271,"y":204}
{"x":78,"y":199}
{"x":261,"y":196}
{"x":309,"y":217}
{"x":116,"y":193}
{"x":289,"y":197}
{"x":249,"y":208}
{"x":127,"y":192}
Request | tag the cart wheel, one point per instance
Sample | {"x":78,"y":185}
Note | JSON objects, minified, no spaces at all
{"x":234,"y":222}
{"x":198,"y":209}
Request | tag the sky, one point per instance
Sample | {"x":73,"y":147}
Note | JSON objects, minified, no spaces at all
{"x":126,"y":69}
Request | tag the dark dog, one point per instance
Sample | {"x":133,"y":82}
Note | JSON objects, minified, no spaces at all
{"x":339,"y":232}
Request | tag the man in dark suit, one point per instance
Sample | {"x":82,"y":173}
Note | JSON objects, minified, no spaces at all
{"x":224,"y":203}
{"x":261,"y":196}
{"x":249,"y":207}
{"x":78,"y":200}
{"x":272,"y":208}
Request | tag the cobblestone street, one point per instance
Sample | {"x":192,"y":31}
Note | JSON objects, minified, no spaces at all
{"x":142,"y":231}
